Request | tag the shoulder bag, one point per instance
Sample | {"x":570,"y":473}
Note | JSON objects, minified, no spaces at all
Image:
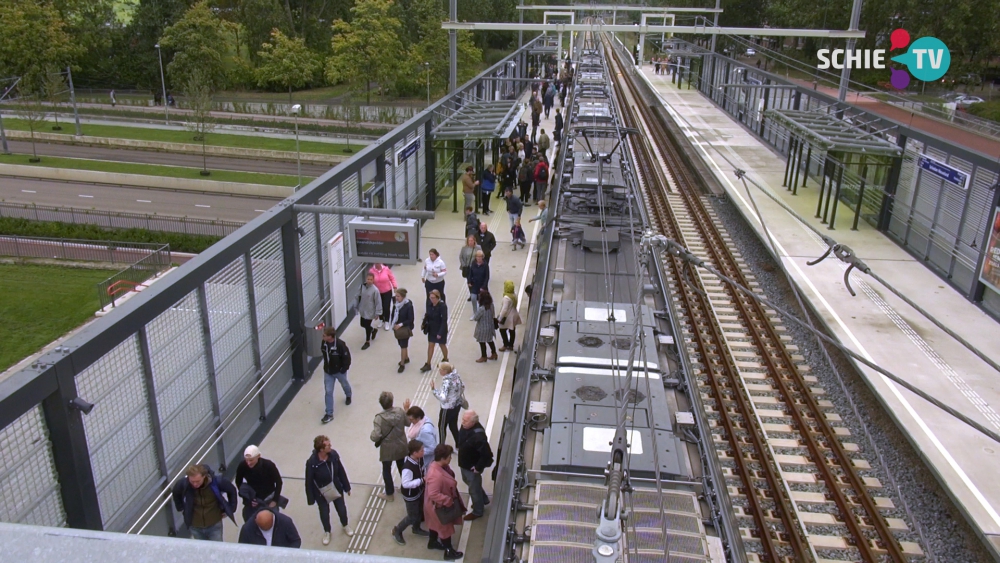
{"x":402,"y":333}
{"x":329,"y":491}
{"x":447,"y":514}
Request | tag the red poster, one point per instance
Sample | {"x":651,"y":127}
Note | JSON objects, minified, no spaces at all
{"x":990,"y":274}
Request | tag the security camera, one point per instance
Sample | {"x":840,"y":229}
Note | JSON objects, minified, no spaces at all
{"x":81,"y":405}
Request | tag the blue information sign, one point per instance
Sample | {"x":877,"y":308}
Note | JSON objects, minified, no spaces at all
{"x":405,"y":152}
{"x":943,"y":171}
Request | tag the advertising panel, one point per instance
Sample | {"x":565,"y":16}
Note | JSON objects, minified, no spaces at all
{"x":990,"y":274}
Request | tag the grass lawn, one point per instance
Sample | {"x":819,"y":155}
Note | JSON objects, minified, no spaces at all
{"x":41,"y":303}
{"x":216,"y":139}
{"x":152,"y":170}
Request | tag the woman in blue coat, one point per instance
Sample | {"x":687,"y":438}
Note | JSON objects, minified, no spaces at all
{"x":487,"y":184}
{"x":479,"y":278}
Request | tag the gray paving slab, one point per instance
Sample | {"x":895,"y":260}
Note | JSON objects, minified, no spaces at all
{"x":875,"y":323}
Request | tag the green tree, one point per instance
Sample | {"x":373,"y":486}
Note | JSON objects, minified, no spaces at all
{"x":286,"y":62}
{"x":198,"y":96}
{"x":259,"y":18}
{"x":198,"y":41}
{"x":366,"y":49}
{"x":93,"y":26}
{"x":54,"y":87}
{"x":432,"y":47}
{"x":133,"y":55}
{"x":33,"y":39}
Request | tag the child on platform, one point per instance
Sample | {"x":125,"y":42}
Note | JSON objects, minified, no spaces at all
{"x":517,"y":235}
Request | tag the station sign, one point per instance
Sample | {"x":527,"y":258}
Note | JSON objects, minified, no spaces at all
{"x":407,"y":151}
{"x":389,"y":241}
{"x":944,"y":171}
{"x":990,"y":272}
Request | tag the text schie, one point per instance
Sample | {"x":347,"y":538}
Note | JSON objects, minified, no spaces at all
{"x":872,"y":58}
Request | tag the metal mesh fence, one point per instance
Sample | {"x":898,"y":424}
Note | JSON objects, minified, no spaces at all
{"x":118,"y":430}
{"x":229,"y":321}
{"x":29,"y":487}
{"x":119,"y":220}
{"x":180,"y":375}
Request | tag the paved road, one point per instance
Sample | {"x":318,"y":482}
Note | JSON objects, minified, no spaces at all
{"x":170,"y":159}
{"x":135,"y":200}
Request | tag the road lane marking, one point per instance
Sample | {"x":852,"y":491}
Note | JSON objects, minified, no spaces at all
{"x":144,"y":201}
{"x":89,"y":196}
{"x":29,"y":191}
{"x":260,"y":210}
{"x":200,"y":205}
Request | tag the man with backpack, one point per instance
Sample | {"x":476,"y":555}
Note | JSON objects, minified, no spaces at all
{"x":544,"y":143}
{"x":199,"y":496}
{"x":541,"y":178}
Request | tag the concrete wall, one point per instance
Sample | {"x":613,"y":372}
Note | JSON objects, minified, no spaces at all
{"x":183,"y":148}
{"x":142,"y":181}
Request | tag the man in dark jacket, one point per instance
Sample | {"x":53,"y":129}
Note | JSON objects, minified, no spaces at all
{"x":205,"y":499}
{"x":548,"y":100}
{"x":322,"y":468}
{"x":514,"y":207}
{"x":263,"y":477}
{"x":270,"y":528}
{"x":471,"y":222}
{"x":557,"y":135}
{"x":336,"y":362}
{"x":486,"y":241}
{"x":474,"y":456}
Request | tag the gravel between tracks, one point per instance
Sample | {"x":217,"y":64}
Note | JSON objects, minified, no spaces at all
{"x":948,"y":537}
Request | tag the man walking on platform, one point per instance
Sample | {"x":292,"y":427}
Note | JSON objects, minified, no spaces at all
{"x":544,"y":143}
{"x":474,"y":456}
{"x":549,"y":100}
{"x":271,"y":529}
{"x":263,"y":477}
{"x":541,"y":178}
{"x":336,"y":362}
{"x":486,"y":241}
{"x":469,"y":187}
{"x":199,"y":496}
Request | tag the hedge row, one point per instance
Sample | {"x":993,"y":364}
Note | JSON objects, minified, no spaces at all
{"x":179,"y":242}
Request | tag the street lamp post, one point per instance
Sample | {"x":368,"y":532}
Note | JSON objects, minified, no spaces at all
{"x":163,"y":83}
{"x":298,"y":156}
{"x":427,"y":67}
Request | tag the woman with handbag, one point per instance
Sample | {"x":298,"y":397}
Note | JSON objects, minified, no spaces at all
{"x":369,"y":309}
{"x":452,"y":398}
{"x":435,"y":326}
{"x":486,"y":326}
{"x":467,"y":254}
{"x":509,"y":317}
{"x":443,"y":506}
{"x":326,"y":482}
{"x":385,"y":283}
{"x":402,"y":326}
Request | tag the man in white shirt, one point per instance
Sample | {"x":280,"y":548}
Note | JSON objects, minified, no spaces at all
{"x":270,"y":529}
{"x":433,"y":274}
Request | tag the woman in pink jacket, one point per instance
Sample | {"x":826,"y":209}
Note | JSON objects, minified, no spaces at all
{"x":385,"y":283}
{"x":441,"y":491}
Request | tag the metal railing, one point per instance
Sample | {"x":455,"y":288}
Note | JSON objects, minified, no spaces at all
{"x":134,"y":276}
{"x":82,"y":250}
{"x":119,"y":220}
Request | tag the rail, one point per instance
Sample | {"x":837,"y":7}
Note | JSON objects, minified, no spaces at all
{"x":723,"y":376}
{"x":81,"y":250}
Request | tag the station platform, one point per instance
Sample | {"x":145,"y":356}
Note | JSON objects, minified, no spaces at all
{"x":875,"y":324}
{"x":289,"y":443}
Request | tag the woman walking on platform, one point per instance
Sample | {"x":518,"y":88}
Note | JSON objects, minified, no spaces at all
{"x":467,"y":255}
{"x":326,"y":483}
{"x":451,"y":395}
{"x":385,"y":283}
{"x":435,"y":326}
{"x":402,"y":326}
{"x":485,"y":326}
{"x":369,"y":309}
{"x":509,"y":317}
{"x":441,"y":498}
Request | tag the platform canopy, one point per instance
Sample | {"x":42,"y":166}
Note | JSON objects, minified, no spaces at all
{"x":480,"y":119}
{"x":830,"y":133}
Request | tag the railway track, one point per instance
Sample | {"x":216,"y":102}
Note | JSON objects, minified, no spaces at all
{"x":799,"y":489}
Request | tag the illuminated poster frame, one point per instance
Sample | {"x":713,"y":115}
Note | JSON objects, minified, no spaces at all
{"x":389,"y":241}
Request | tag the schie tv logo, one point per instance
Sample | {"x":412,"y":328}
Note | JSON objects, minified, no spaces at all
{"x":927,"y":59}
